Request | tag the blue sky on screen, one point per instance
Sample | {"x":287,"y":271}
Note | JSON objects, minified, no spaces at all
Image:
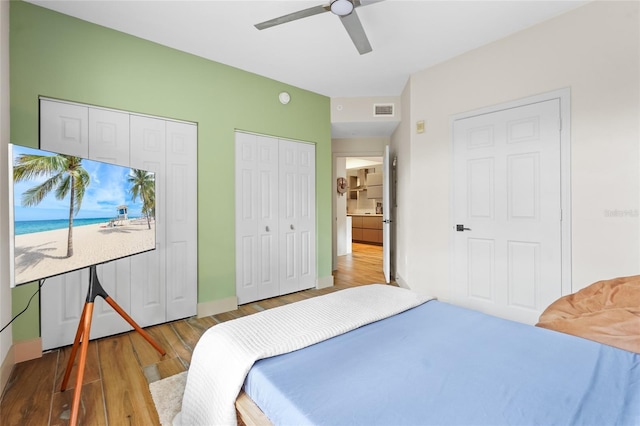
{"x":107,"y":190}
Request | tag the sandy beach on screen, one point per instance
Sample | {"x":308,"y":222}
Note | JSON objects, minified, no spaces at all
{"x":43,"y":254}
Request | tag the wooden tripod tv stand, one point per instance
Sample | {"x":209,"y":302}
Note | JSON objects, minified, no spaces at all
{"x":83,"y":334}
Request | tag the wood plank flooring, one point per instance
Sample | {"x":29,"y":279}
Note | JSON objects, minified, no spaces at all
{"x":120,"y":368}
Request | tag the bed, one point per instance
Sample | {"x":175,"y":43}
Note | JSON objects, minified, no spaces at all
{"x":428,"y":363}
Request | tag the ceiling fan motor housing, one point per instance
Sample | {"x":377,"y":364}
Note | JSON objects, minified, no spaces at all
{"x":341,"y":7}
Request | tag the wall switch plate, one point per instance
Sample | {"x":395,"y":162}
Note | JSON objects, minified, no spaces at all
{"x":420,"y":126}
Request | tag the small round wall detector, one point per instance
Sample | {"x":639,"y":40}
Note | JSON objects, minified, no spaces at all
{"x":284,"y":98}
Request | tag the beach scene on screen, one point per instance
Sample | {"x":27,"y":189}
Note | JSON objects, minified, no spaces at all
{"x":111,"y":210}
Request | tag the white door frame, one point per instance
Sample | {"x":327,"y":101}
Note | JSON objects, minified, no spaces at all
{"x":387,"y":218}
{"x":564,"y":97}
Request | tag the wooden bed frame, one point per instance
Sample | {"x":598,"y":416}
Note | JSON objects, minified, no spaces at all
{"x":248,"y":413}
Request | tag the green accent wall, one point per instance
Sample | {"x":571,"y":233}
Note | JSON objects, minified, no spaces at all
{"x":58,"y":56}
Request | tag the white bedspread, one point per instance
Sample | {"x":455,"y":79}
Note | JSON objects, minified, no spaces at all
{"x":226,"y":352}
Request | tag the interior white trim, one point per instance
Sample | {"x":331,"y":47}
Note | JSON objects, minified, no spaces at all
{"x":274,"y":136}
{"x":26,"y":350}
{"x":324,"y":282}
{"x":6,"y":367}
{"x":401,"y":281}
{"x":564,"y":96}
{"x":64,"y":101}
{"x":219,"y":306}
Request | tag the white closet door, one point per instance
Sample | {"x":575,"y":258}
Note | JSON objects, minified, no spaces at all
{"x":148,"y":274}
{"x":181,"y":220}
{"x":152,"y":287}
{"x":267,"y":217}
{"x":307,"y":214}
{"x":297,"y":216}
{"x":256,"y":217}
{"x":64,"y":128}
{"x":65,"y":294}
{"x":109,"y":142}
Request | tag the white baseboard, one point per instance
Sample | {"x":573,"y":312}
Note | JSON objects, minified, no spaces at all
{"x":215,"y":307}
{"x":6,"y":368}
{"x":26,"y":350}
{"x":324,"y":282}
{"x":401,"y":282}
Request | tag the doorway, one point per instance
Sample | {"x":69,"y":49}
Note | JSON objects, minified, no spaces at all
{"x":357,"y":210}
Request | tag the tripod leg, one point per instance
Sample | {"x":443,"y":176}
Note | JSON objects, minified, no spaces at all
{"x":130,"y":320}
{"x":84,"y":346}
{"x":74,"y":350}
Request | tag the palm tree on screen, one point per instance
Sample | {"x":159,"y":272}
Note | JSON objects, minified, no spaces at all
{"x":65,"y":175}
{"x":143,"y":185}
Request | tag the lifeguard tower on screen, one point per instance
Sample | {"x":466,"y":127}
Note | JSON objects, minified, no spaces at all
{"x":122,"y":213}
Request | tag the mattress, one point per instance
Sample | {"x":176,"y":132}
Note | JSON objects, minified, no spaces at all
{"x":438,"y":364}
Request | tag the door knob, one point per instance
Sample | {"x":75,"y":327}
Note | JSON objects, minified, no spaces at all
{"x":461,"y":228}
{"x":291,"y":226}
{"x":266,"y":229}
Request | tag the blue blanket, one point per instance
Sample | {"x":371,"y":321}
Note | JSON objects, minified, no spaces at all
{"x":439,"y":364}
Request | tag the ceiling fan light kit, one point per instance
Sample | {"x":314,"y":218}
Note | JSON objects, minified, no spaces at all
{"x":341,"y":7}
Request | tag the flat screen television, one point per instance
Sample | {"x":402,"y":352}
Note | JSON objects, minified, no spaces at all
{"x":69,"y":213}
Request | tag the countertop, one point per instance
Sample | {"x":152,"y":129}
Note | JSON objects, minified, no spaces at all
{"x":363,"y":214}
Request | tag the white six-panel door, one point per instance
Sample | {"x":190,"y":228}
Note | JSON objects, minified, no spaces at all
{"x":507,"y":206}
{"x":275,"y":217}
{"x":148,"y":275}
{"x":297,"y":216}
{"x":181,"y":213}
{"x":256,"y":217}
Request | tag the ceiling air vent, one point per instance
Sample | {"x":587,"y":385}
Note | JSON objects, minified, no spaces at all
{"x":383,"y":110}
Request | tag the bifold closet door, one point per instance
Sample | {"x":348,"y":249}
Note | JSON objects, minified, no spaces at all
{"x":275,"y":217}
{"x":256,"y":217}
{"x":153,"y":287}
{"x":182,"y":217}
{"x":148,"y":276}
{"x":297,"y":216}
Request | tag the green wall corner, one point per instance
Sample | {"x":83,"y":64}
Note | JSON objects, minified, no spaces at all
{"x":61,"y":57}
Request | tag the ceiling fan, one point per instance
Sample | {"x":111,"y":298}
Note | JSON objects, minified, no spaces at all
{"x":345,"y":9}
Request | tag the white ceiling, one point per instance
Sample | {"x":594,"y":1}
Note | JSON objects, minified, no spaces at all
{"x":315,"y":53}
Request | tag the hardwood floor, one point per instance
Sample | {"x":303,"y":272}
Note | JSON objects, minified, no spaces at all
{"x":120,"y":368}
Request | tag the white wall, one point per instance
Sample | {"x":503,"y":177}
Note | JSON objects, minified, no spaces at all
{"x":6,"y":361}
{"x":594,"y":50}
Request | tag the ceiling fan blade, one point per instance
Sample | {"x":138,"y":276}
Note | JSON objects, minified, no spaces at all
{"x":293,"y":16}
{"x":353,"y":26}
